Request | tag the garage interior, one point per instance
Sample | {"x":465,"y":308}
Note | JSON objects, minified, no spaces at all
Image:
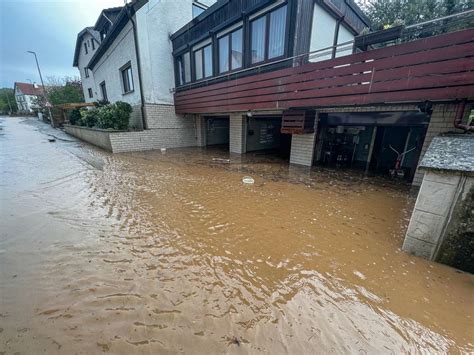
{"x":372,"y":141}
{"x":264,"y":136}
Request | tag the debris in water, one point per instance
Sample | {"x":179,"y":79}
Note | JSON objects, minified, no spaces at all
{"x":51,"y":140}
{"x":163,"y":150}
{"x":220,"y":160}
{"x":235,"y":340}
{"x":248,"y":180}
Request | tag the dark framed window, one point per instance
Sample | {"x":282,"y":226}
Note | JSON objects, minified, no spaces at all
{"x":85,"y":48}
{"x":127,"y":78}
{"x":90,"y":93}
{"x":203,"y":67}
{"x":183,"y":63}
{"x":93,"y":44}
{"x":86,"y":72}
{"x":103,"y":90}
{"x":230,"y":51}
{"x":268,"y":35}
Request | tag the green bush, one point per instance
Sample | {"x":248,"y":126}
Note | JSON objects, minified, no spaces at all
{"x":112,"y":116}
{"x":89,"y":117}
{"x":74,"y":116}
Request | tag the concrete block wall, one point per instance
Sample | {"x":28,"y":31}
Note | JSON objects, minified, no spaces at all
{"x":152,"y":139}
{"x":164,"y":116}
{"x":237,"y":133}
{"x":201,"y":138}
{"x":433,"y":208}
{"x":302,"y":149}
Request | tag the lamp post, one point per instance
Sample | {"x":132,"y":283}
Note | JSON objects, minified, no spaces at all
{"x":44,"y":89}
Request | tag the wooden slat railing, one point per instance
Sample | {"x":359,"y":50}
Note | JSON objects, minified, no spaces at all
{"x":433,"y":68}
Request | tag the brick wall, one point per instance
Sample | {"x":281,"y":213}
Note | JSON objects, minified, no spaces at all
{"x":441,"y":122}
{"x":164,"y":116}
{"x":302,"y":149}
{"x":237,"y":133}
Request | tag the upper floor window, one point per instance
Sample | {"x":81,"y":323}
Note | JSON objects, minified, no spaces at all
{"x":267,"y":40}
{"x":230,"y":51}
{"x":89,"y":91}
{"x":93,"y":44}
{"x":184,"y":68}
{"x":127,"y":78}
{"x":203,"y":62}
{"x":85,"y":48}
{"x":86,"y":72}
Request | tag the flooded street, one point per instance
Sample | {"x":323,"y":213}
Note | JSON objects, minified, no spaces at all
{"x":172,"y":253}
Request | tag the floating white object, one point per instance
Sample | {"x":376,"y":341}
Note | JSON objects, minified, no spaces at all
{"x":163,"y":150}
{"x":248,"y":180}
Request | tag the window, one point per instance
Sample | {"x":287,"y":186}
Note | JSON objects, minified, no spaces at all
{"x":184,"y":68}
{"x":86,"y":72}
{"x":103,"y":90}
{"x":85,"y":48}
{"x":197,"y":10}
{"x":203,"y":62}
{"x":90,"y":93}
{"x":127,"y":78}
{"x":230,"y":51}
{"x":268,"y":36}
{"x":93,"y":44}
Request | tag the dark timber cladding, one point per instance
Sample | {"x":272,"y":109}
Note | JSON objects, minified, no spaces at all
{"x":434,"y":68}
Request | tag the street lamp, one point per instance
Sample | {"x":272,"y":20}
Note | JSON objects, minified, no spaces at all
{"x":42,"y":84}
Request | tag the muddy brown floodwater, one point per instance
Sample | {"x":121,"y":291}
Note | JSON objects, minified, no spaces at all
{"x":171,"y":253}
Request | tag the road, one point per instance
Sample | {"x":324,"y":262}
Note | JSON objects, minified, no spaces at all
{"x":171,"y":253}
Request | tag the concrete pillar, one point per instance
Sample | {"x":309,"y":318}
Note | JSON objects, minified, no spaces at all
{"x":302,"y":149}
{"x":433,"y":207}
{"x":238,"y":133}
{"x":201,"y":131}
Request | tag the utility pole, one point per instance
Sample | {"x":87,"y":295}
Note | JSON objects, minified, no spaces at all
{"x":44,"y":89}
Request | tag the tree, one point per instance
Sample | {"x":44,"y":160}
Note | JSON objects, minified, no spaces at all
{"x":7,"y":101}
{"x":386,"y":12}
{"x":65,"y":90}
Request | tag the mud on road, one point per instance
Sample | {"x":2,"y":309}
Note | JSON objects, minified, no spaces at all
{"x":171,"y":253}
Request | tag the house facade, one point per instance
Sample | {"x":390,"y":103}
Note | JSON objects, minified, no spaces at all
{"x":291,"y":77}
{"x":26,"y":95}
{"x":133,"y":63}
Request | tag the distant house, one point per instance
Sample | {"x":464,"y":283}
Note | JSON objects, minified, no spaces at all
{"x":25,"y":96}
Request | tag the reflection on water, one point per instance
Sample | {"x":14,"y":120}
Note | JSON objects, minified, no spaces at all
{"x":151,"y":252}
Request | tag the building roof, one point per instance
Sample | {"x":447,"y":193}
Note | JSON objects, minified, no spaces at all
{"x":454,"y":152}
{"x":95,"y":34}
{"x":120,"y":20}
{"x":29,"y":89}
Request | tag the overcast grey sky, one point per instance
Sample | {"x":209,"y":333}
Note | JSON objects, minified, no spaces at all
{"x":47,"y":27}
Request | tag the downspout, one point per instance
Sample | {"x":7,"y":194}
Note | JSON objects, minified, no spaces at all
{"x":139,"y":67}
{"x":459,"y":116}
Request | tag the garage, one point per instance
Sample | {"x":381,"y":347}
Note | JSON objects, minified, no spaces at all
{"x":386,"y":143}
{"x":263,"y":135}
{"x":217,"y":130}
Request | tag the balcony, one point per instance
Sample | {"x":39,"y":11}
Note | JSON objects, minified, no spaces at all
{"x":436,"y":68}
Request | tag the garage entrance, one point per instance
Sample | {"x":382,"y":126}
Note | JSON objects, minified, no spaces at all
{"x":263,"y":134}
{"x":372,"y":141}
{"x":217,"y":130}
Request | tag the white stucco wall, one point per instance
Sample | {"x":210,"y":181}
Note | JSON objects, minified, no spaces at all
{"x":156,"y":21}
{"x":107,"y":69}
{"x":82,"y":62}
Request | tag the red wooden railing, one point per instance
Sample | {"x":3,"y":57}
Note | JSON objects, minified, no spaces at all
{"x":433,"y":68}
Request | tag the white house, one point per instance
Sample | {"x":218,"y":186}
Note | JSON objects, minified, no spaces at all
{"x":25,"y":96}
{"x":127,"y":56}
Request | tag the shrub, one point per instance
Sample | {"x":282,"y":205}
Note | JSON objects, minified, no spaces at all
{"x":74,"y":116}
{"x":89,"y":117}
{"x":112,"y":116}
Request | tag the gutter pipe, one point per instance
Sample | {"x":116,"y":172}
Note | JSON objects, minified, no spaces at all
{"x":139,"y":67}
